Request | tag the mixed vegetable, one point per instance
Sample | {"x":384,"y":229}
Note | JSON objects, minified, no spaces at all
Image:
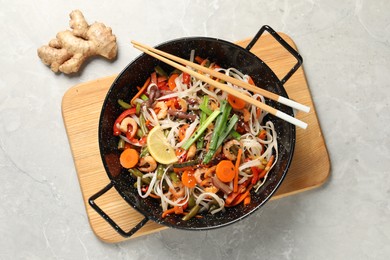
{"x":193,"y":147}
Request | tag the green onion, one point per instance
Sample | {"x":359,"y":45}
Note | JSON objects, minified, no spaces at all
{"x":142,"y":124}
{"x":200,"y":130}
{"x":174,"y":177}
{"x":219,"y":126}
{"x":185,"y":164}
{"x":138,"y":108}
{"x":200,"y":141}
{"x":124,"y":104}
{"x":144,"y":97}
{"x":192,"y":213}
{"x":191,"y":201}
{"x":136,"y":173}
{"x":121,"y":144}
{"x":139,"y":133}
{"x":160,"y":171}
{"x":232,"y":122}
{"x":235,"y":135}
{"x":204,"y":106}
{"x":144,"y":152}
{"x":160,"y":71}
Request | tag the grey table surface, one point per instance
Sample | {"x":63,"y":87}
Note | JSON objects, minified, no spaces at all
{"x":346,"y":51}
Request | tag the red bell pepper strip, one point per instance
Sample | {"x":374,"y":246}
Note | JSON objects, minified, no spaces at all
{"x":255,"y":174}
{"x":186,"y":78}
{"x":163,"y":85}
{"x":126,"y":113}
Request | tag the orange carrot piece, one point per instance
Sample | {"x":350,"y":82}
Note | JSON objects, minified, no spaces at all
{"x":250,"y":81}
{"x":241,"y":189}
{"x":171,"y":81}
{"x":141,"y":91}
{"x":239,"y":199}
{"x":129,"y":158}
{"x":235,"y":181}
{"x":168,"y":212}
{"x":235,"y":102}
{"x":188,"y":178}
{"x":225,"y":171}
{"x":199,"y":59}
{"x":247,"y":200}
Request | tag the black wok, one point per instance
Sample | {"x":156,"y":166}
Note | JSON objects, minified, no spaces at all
{"x":227,"y":55}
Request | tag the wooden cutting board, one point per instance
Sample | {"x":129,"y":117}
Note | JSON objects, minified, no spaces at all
{"x":81,"y":107}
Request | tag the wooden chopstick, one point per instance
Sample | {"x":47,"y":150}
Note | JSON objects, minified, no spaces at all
{"x":254,"y":89}
{"x":226,"y":88}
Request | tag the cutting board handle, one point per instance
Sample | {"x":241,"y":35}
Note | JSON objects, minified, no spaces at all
{"x":282,"y":42}
{"x":91,"y":202}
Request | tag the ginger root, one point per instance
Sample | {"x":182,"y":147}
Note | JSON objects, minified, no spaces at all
{"x":67,"y":52}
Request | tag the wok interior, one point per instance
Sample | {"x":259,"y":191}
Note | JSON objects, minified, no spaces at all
{"x":226,"y":55}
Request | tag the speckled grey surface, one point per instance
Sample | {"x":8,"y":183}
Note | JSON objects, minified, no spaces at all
{"x":346,"y":51}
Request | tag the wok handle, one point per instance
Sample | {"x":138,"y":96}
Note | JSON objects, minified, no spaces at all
{"x":118,"y":229}
{"x":282,"y":42}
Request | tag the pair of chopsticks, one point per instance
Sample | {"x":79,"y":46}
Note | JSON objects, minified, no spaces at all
{"x":174,"y":62}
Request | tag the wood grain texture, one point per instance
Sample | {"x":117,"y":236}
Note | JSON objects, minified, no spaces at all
{"x":81,"y":107}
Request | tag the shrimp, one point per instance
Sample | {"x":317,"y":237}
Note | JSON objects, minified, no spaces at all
{"x":149,"y":161}
{"x":178,"y":191}
{"x":124,"y":126}
{"x":191,"y":151}
{"x":183,"y":105}
{"x":210,"y":171}
{"x":198,"y":174}
{"x":162,"y":109}
{"x":213,"y":104}
{"x":211,"y":189}
{"x":226,"y":149}
{"x":246,"y":114}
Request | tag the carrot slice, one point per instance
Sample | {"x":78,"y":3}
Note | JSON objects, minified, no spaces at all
{"x":188,"y":178}
{"x":141,"y":91}
{"x":129,"y":158}
{"x":235,"y":181}
{"x":171,"y":81}
{"x":236,"y":102}
{"x":225,"y":171}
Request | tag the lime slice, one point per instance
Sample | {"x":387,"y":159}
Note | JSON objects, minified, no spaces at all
{"x":159,"y":147}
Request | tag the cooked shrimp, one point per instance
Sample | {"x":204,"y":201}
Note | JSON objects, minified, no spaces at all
{"x":124,"y":126}
{"x":183,"y":105}
{"x":162,"y":109}
{"x":198,"y":174}
{"x":226,"y":149}
{"x":213,"y":104}
{"x":211,"y":189}
{"x":150,"y":163}
{"x":178,"y":191}
{"x":210,"y":171}
{"x":247,"y":114}
{"x":191,"y":151}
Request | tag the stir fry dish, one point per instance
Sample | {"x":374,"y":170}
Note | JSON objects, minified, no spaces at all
{"x":194,"y":148}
